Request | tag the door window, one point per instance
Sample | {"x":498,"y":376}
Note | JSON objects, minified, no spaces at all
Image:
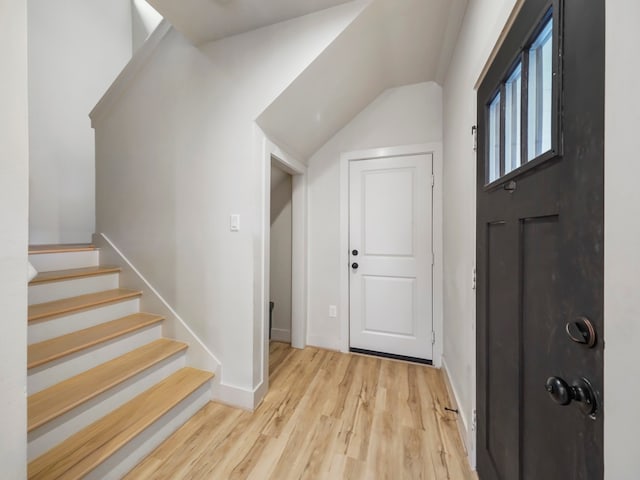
{"x":522,"y":113}
{"x":540,"y":92}
{"x":494,"y":138}
{"x":512,"y":120}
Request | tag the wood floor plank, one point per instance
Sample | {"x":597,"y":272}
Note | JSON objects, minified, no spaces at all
{"x":346,"y":468}
{"x":62,"y":397}
{"x":55,"y":348}
{"x":85,"y":450}
{"x":358,"y":444}
{"x":287,"y":393}
{"x":277,"y":355}
{"x":213,"y":424}
{"x":56,"y":308}
{"x":73,"y":273}
{"x":249,"y":461}
{"x":326,"y":415}
{"x":314,"y":461}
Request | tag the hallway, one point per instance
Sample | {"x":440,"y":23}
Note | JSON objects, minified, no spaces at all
{"x":327,"y":415}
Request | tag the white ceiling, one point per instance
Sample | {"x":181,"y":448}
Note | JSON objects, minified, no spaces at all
{"x":392,"y":43}
{"x":207,"y":20}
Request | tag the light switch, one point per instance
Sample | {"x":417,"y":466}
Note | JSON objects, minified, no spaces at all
{"x":234,"y":222}
{"x":333,"y":311}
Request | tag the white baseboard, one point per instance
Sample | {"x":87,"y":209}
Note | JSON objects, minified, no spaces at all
{"x":281,"y":335}
{"x":461,"y":422}
{"x":327,"y":343}
{"x":239,"y":397}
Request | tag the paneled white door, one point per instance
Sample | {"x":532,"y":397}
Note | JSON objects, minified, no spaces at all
{"x":391,"y":260}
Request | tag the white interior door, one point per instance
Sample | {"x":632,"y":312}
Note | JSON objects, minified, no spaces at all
{"x":390,"y":243}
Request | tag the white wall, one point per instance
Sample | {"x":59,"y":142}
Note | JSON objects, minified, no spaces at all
{"x":76,"y":49}
{"x":483,"y":22}
{"x":14,"y":188}
{"x":393,"y":43}
{"x":280,"y":261}
{"x":399,"y":116}
{"x":621,"y":240}
{"x":144,"y":20}
{"x":179,"y":152}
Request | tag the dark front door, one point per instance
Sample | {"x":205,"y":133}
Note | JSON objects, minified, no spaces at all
{"x":540,"y":247}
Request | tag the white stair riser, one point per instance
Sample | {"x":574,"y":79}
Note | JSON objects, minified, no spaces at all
{"x":123,"y":461}
{"x":44,"y":376}
{"x":47,"y":262}
{"x":56,"y":431}
{"x":55,"y":327}
{"x":47,"y":292}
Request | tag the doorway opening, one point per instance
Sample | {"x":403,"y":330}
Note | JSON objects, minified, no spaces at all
{"x":290,"y":327}
{"x":280,"y":255}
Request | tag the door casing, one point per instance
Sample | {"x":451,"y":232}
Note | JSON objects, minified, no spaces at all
{"x":298,"y":171}
{"x":436,"y":150}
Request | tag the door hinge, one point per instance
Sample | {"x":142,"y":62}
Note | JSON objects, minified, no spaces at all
{"x":433,"y":259}
{"x":433,"y":337}
{"x":474,"y":421}
{"x":474,"y":132}
{"x":433,"y":180}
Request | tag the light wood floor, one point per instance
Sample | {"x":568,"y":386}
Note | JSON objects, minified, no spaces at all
{"x":327,"y":415}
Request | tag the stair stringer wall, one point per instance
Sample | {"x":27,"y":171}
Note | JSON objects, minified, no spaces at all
{"x":197,"y":355}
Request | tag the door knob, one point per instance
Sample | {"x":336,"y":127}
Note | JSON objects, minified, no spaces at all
{"x":582,"y":331}
{"x":354,"y":265}
{"x":354,"y":253}
{"x":580,"y":391}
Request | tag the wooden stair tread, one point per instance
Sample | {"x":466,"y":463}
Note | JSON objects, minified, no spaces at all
{"x":58,"y":399}
{"x":41,"y":311}
{"x":52,"y":349}
{"x":57,"y":275}
{"x":61,"y":248}
{"x":85,"y":450}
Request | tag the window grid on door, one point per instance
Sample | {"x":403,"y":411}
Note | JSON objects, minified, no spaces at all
{"x":523,"y":111}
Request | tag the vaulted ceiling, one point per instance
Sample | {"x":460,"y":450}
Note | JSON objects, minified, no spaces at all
{"x":207,"y":20}
{"x":391,"y":43}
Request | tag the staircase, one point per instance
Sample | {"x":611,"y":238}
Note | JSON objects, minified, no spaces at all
{"x":104,"y":387}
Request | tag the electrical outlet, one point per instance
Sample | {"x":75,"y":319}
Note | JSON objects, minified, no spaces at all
{"x":333,"y":311}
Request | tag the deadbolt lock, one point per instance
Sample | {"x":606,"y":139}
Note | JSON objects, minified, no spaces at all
{"x":582,"y":331}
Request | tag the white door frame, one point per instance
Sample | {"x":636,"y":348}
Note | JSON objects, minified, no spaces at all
{"x":298,"y":172}
{"x":436,"y":150}
{"x":268,"y":151}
